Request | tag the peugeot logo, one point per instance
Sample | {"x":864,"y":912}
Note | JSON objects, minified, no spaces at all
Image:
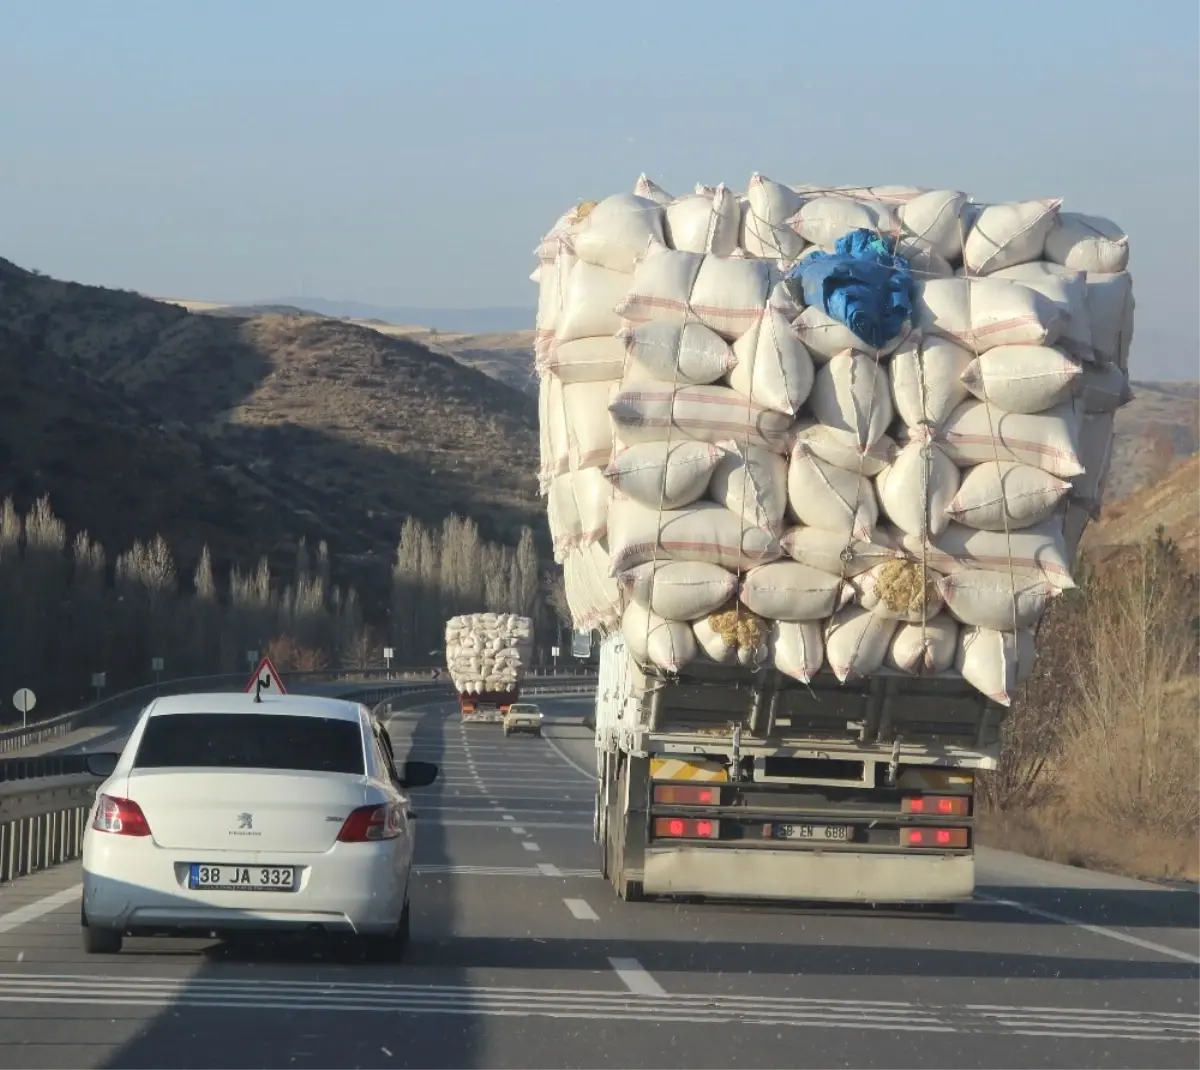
{"x":245,"y":821}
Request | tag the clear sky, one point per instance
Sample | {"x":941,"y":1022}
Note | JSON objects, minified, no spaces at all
{"x":410,"y":154}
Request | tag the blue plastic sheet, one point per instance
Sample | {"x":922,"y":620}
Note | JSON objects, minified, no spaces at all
{"x":861,"y":284}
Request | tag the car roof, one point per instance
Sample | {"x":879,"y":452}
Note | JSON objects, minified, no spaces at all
{"x":237,"y":702}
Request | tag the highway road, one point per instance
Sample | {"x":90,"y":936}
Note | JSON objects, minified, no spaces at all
{"x":522,"y":957}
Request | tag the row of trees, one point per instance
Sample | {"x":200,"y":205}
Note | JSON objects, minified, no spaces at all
{"x":67,"y":612}
{"x":1105,"y":736}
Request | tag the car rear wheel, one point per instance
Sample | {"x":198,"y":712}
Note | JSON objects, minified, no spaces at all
{"x":100,"y":941}
{"x":390,"y":948}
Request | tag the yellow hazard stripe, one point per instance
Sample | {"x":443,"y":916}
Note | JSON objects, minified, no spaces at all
{"x":678,"y":769}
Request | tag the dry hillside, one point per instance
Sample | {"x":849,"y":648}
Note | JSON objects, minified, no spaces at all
{"x":1153,"y":432}
{"x":138,"y":416}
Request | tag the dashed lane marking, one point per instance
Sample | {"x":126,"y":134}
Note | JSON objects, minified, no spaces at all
{"x":580,"y":910}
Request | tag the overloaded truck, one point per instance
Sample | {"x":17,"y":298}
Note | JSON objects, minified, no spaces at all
{"x":486,"y":655}
{"x":816,"y":461}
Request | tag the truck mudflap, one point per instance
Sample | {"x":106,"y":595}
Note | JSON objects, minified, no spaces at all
{"x":842,"y":876}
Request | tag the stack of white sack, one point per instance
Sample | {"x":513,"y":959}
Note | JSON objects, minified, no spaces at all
{"x":488,"y":651}
{"x":734,"y":476}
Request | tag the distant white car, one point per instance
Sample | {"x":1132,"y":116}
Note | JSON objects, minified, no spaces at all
{"x":227,"y":814}
{"x":523,"y":717}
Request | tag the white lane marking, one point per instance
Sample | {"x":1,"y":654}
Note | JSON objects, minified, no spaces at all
{"x":516,"y":828}
{"x":549,"y":869}
{"x":14,"y":919}
{"x":590,"y":774}
{"x":528,"y":824}
{"x":542,"y":869}
{"x":1098,"y":930}
{"x":507,"y":817}
{"x":637,"y":978}
{"x":529,"y":845}
{"x":581,"y":910}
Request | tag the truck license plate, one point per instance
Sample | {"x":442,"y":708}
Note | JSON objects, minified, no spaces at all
{"x":839,"y":833}
{"x":234,"y":878}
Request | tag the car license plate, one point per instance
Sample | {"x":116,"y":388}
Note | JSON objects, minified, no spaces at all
{"x":836,"y":833}
{"x":238,"y":878}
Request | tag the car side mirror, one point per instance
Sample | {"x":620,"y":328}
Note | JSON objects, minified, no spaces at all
{"x":418,"y":774}
{"x":101,"y":764}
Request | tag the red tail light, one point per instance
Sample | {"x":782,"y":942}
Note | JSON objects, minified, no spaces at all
{"x":934,"y":837}
{"x":686,"y":796}
{"x":371,"y":823}
{"x":940,"y":805}
{"x":685,"y":828}
{"x":122,"y":817}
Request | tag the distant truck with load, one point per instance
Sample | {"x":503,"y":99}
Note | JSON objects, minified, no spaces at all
{"x":487,"y":655}
{"x":722,"y":781}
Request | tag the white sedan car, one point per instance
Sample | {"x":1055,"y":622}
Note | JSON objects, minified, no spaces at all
{"x":227,"y":814}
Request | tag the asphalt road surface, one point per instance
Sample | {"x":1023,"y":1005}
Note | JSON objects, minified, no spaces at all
{"x":522,"y":957}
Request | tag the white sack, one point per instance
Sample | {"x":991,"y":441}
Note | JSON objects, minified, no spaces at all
{"x":704,"y":223}
{"x":1095,"y":454}
{"x":726,"y":294}
{"x":772,"y":367}
{"x":995,"y":495}
{"x":649,"y":189}
{"x":851,"y":394}
{"x":926,"y":379}
{"x":679,"y":590}
{"x":617,"y":231}
{"x":831,"y":498}
{"x":677,"y":351}
{"x":916,"y":489}
{"x":1005,"y":235}
{"x":552,"y":278}
{"x":1022,"y":379}
{"x":652,"y":412}
{"x":899,"y":590}
{"x":996,"y":600}
{"x":983,"y":313}
{"x":1111,"y":304}
{"x":585,"y":360}
{"x":924,"y":649}
{"x":833,"y":554}
{"x":797,"y":648}
{"x":995,"y":663}
{"x":713,"y":644}
{"x":1037,"y":552}
{"x":651,"y":640}
{"x":770,"y":205}
{"x":752,"y":483}
{"x":977,"y":433}
{"x":552,"y":427}
{"x":932,"y":222}
{"x":842,"y":450}
{"x":594,"y":589}
{"x":856,"y":642}
{"x":1087,"y":243}
{"x":824,"y":337}
{"x":589,"y":430}
{"x":787,"y":590}
{"x":590,"y":303}
{"x":1068,"y":291}
{"x":1103,"y":388}
{"x":657,"y":474}
{"x":701,"y":532}
{"x":563,"y":516}
{"x":823,"y":220}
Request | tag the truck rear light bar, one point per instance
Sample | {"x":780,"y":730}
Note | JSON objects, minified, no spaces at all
{"x":925,"y":837}
{"x":685,"y":828}
{"x":687,"y":795}
{"x":936,"y":805}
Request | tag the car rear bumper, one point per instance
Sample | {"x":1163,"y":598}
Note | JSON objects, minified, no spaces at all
{"x":137,"y":886}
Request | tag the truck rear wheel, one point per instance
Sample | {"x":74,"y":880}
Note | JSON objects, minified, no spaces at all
{"x":629,"y":890}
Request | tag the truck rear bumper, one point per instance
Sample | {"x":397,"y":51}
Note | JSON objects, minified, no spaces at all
{"x":837,"y":876}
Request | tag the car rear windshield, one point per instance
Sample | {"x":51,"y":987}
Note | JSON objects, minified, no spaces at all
{"x":251,"y":741}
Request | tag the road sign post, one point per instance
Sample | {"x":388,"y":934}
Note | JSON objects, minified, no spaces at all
{"x":389,"y":652}
{"x":98,"y":679}
{"x":156,"y":666}
{"x":24,"y":700}
{"x":554,"y":655}
{"x":265,"y":678}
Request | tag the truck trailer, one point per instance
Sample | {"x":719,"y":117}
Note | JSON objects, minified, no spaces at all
{"x":487,"y":706}
{"x":727,"y":782}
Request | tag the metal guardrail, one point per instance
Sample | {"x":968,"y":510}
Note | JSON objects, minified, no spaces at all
{"x":45,"y":801}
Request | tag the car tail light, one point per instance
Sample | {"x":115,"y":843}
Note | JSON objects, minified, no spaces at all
{"x":934,"y":837}
{"x":371,"y":823}
{"x":121,"y":817}
{"x":686,"y":796}
{"x":685,"y":828}
{"x":936,"y":805}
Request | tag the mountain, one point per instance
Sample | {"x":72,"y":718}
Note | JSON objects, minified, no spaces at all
{"x":1160,"y":426}
{"x":460,"y":320}
{"x":138,"y":416}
